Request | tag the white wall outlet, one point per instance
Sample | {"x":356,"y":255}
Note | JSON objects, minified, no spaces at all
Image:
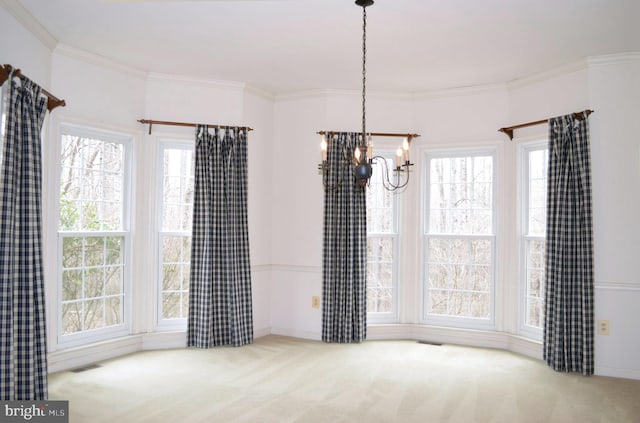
{"x":603,"y":327}
{"x":315,"y":301}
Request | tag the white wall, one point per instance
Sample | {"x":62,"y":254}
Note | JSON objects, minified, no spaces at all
{"x":258,"y":112}
{"x":614,"y":90}
{"x":22,"y":49}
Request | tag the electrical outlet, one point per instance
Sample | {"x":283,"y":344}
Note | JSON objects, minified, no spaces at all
{"x":603,"y":327}
{"x":315,"y":301}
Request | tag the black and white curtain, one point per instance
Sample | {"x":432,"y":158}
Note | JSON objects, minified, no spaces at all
{"x":344,"y":264}
{"x":569,"y":310}
{"x":23,"y":348}
{"x":220,"y":308}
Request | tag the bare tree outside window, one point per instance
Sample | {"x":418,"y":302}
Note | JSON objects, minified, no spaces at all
{"x":535,"y":216}
{"x":382,"y":238}
{"x":91,"y":233}
{"x":459,"y":238}
{"x":175,"y":232}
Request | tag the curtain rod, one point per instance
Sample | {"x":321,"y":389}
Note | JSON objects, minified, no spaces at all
{"x":52,"y":101}
{"x":509,"y":129}
{"x":373,"y":134}
{"x":164,"y":122}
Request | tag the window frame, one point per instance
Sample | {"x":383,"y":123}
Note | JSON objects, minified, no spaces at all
{"x":450,"y":320}
{"x":393,"y":315}
{"x":109,"y":332}
{"x":525,"y":149}
{"x":165,"y":143}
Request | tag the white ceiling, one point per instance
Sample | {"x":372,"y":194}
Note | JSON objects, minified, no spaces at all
{"x":284,"y":46}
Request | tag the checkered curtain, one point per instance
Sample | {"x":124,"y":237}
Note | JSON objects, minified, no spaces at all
{"x":23,"y":348}
{"x":344,"y":265}
{"x":220,"y":310}
{"x":569,"y":325}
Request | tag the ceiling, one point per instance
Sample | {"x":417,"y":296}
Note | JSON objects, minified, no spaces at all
{"x":284,"y":46}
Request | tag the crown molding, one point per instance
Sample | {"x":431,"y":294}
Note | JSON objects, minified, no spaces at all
{"x":614,"y":59}
{"x":101,"y":61}
{"x":576,"y":66}
{"x":462,"y":91}
{"x":27,"y":20}
{"x":328,"y":92}
{"x":218,"y":83}
{"x":259,"y":92}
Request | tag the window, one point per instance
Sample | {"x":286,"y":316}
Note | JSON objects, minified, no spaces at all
{"x":93,"y":233}
{"x":174,"y":233}
{"x":382,"y":246}
{"x":534,"y":214}
{"x":459,"y":238}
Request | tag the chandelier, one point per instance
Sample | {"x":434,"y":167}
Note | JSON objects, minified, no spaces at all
{"x":393,"y":178}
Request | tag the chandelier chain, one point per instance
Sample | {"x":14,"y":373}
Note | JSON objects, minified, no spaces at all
{"x":364,"y":74}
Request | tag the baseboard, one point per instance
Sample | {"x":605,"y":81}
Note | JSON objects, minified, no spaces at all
{"x":71,"y":358}
{"x":314,"y":336}
{"x":259,"y":333}
{"x":164,"y":340}
{"x":80,"y":356}
{"x":616,"y":372}
{"x":457,"y":336}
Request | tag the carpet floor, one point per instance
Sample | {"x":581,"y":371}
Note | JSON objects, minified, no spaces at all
{"x":280,"y":379}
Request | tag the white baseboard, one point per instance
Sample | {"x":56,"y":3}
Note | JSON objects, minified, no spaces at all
{"x":72,"y":358}
{"x":314,"y":336}
{"x":457,"y":336}
{"x":81,"y":356}
{"x":164,"y":340}
{"x":616,"y":372}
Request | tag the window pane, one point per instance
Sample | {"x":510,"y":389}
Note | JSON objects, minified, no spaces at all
{"x":92,"y":208}
{"x":177,"y":191}
{"x":177,"y":181}
{"x":381,"y":239}
{"x":459,"y":238}
{"x":113,"y":311}
{"x":171,"y":305}
{"x":534,"y":223}
{"x":71,"y":285}
{"x":380,"y":202}
{"x":72,"y":317}
{"x":94,"y":314}
{"x":534,"y":282}
{"x":92,"y":271}
{"x":379,"y":274}
{"x":537,"y":198}
{"x":92,"y":172}
{"x":461,"y":195}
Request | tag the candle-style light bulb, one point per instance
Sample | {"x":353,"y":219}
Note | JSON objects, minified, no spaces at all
{"x":398,"y":158}
{"x":405,"y":148}
{"x":356,"y":154}
{"x":370,"y":148}
{"x":323,"y":148}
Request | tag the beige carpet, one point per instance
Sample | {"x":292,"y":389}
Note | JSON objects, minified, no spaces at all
{"x":279,"y":379}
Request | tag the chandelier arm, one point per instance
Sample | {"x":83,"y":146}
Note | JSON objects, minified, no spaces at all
{"x":386,"y":182}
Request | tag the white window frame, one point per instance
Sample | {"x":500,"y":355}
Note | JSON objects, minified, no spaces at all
{"x":458,"y":321}
{"x":123,"y":329}
{"x":525,"y":149}
{"x":393,"y":315}
{"x":163,"y":324}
